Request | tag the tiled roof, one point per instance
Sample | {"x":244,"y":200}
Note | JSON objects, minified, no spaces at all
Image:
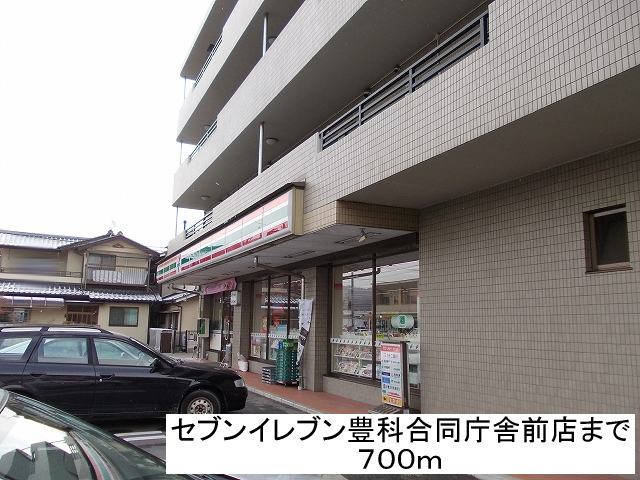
{"x":35,"y":240}
{"x":61,"y":290}
{"x":85,"y":243}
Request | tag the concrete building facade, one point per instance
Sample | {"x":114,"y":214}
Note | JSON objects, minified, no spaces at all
{"x":460,"y":175}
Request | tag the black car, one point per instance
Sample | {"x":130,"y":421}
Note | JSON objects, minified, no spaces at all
{"x":95,"y":373}
{"x":39,"y":441}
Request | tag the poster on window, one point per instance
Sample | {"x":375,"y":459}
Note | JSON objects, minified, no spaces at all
{"x":392,"y":374}
{"x":305,"y":308}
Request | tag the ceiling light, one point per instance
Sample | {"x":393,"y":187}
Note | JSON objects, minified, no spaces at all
{"x":204,"y":197}
{"x":271,"y":141}
{"x":363,"y":236}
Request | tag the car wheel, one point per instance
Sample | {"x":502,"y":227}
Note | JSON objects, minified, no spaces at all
{"x":201,"y":401}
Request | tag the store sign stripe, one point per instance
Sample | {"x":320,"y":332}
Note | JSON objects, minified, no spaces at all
{"x":265,"y":223}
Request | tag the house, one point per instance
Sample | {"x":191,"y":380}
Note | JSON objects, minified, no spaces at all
{"x":103,"y":281}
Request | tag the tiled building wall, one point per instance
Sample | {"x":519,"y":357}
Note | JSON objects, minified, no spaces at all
{"x":510,"y":320}
{"x":539,"y":52}
{"x":312,"y":26}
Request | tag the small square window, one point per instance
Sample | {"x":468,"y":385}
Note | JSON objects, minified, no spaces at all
{"x":606,"y":239}
{"x":123,"y":317}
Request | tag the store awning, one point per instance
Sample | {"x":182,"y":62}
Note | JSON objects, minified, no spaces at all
{"x":31,"y":302}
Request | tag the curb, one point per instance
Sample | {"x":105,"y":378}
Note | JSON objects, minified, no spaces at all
{"x":282,"y":401}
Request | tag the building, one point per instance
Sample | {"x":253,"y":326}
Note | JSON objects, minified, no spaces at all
{"x":58,"y":279}
{"x":462,"y":175}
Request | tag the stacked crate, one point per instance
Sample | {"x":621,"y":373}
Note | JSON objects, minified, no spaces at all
{"x":286,"y":362}
{"x":268,"y":374}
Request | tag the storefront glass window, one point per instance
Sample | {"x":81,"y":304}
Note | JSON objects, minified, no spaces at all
{"x":355,"y":335}
{"x":278,"y":313}
{"x":275,"y":314}
{"x":260,"y":320}
{"x":397,"y":307}
{"x":352,"y":330}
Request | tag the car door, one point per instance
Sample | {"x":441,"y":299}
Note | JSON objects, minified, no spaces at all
{"x":126,"y":383}
{"x":59,"y":373}
{"x":14,"y":351}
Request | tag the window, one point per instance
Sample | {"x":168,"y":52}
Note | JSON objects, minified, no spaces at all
{"x":606,"y":239}
{"x":82,"y":314}
{"x":13,"y":348}
{"x":63,"y":350}
{"x":275,"y":314}
{"x":105,"y":262}
{"x":353,"y":325}
{"x":123,"y":317}
{"x":14,"y":315}
{"x":116,"y":352}
{"x":374,"y":301}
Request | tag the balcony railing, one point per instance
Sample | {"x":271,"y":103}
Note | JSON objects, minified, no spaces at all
{"x":116,"y":275}
{"x":203,"y":140}
{"x":39,"y":271}
{"x":199,"y":225}
{"x":473,"y":36}
{"x":208,"y":60}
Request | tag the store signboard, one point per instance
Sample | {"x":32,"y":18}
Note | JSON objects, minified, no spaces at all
{"x":275,"y":219}
{"x":393,"y":374}
{"x":217,"y":287}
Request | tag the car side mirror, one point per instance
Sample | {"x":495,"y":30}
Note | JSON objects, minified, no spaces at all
{"x":156,"y":365}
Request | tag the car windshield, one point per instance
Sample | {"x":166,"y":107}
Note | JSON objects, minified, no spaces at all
{"x":41,"y":442}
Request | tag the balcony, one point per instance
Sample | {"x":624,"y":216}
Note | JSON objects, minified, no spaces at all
{"x":118,"y":275}
{"x":464,"y":42}
{"x":35,"y":271}
{"x":296,"y":103}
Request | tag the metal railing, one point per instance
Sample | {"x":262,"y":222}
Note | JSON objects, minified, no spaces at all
{"x":471,"y":37}
{"x":208,"y":60}
{"x":203,"y":140}
{"x":116,"y":275}
{"x":39,"y":271}
{"x":199,"y":225}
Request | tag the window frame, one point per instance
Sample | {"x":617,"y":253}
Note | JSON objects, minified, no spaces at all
{"x":35,"y":356}
{"x":268,"y":279}
{"x":375,"y":259}
{"x":97,"y":362}
{"x":591,"y":244}
{"x":137,"y":309}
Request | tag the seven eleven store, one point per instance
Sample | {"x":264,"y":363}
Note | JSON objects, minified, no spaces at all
{"x":249,"y":274}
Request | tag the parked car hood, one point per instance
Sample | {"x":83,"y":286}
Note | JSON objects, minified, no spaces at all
{"x":208,"y":367}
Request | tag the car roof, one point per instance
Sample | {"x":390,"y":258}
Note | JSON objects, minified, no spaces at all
{"x":66,"y":328}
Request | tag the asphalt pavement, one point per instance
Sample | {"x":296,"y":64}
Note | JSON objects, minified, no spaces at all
{"x":150,"y":434}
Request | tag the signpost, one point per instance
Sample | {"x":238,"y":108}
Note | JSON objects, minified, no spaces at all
{"x":393,"y":375}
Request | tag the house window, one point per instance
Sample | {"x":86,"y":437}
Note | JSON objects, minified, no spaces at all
{"x":606,"y":239}
{"x":104,"y":262}
{"x":82,"y":314}
{"x":123,"y":317}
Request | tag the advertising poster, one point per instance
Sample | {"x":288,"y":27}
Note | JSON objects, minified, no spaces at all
{"x":391,"y":374}
{"x":306,"y":307}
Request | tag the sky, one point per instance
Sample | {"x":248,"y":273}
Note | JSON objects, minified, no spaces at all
{"x":89,"y":99}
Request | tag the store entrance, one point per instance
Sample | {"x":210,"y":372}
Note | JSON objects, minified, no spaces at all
{"x":221,"y":324}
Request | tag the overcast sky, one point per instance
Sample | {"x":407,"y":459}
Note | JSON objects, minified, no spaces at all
{"x":89,"y":99}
